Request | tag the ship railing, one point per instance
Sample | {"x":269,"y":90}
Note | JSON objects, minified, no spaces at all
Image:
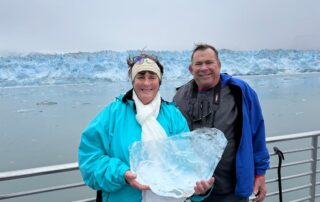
{"x":298,"y":179}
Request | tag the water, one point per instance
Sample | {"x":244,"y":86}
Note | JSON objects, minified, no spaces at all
{"x":48,"y":115}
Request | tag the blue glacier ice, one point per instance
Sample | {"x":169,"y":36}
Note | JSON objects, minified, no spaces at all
{"x":172,"y":166}
{"x":73,"y":68}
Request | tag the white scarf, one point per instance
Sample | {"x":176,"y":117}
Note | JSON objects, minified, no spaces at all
{"x":147,"y":118}
{"x":151,"y":130}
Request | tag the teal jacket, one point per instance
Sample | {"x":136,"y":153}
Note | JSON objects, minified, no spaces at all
{"x":103,"y":151}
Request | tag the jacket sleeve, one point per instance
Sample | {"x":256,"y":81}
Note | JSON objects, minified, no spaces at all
{"x":260,"y":151}
{"x":100,"y":171}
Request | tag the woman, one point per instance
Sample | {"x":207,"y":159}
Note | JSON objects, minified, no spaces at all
{"x":103,"y":150}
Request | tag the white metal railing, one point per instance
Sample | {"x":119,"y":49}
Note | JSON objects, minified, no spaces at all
{"x":311,"y":185}
{"x":294,"y":149}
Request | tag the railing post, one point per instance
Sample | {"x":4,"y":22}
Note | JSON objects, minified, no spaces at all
{"x":314,"y":167}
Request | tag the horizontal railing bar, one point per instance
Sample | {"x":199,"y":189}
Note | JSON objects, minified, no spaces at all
{"x":293,"y":163}
{"x":269,"y":194}
{"x":297,"y":150}
{"x":86,"y":200}
{"x":38,"y":171}
{"x":296,"y":176}
{"x":297,"y":188}
{"x":289,"y":177}
{"x":307,"y":198}
{"x":39,"y":191}
{"x":288,"y":190}
{"x":272,"y":180}
{"x":292,"y":136}
{"x":294,"y":151}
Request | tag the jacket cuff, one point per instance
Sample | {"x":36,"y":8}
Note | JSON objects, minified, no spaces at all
{"x":260,"y":172}
{"x":196,"y":198}
{"x":258,"y":175}
{"x":122,"y":169}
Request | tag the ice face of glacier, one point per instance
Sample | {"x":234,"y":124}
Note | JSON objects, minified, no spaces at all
{"x":172,"y":166}
{"x":110,"y":66}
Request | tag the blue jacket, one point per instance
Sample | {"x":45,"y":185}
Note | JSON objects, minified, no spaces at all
{"x":252,"y":157}
{"x":103,"y":151}
{"x":252,"y":154}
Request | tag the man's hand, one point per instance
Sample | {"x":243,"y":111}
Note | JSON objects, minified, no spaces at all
{"x":259,"y":188}
{"x":203,"y":186}
{"x":131,"y":179}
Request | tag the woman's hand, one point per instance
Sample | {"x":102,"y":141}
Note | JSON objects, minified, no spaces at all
{"x":131,"y":179}
{"x":203,"y":186}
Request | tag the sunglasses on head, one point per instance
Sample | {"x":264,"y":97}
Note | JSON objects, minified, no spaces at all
{"x":140,"y":58}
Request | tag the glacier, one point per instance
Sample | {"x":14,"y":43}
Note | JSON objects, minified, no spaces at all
{"x":36,"y":69}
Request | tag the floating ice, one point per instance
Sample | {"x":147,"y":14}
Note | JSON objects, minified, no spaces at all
{"x":47,"y":103}
{"x":172,"y":166}
{"x":26,"y":110}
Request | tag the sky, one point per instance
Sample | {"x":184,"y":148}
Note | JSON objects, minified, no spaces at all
{"x":60,"y":26}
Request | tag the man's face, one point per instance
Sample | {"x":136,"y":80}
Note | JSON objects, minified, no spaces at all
{"x":205,"y":68}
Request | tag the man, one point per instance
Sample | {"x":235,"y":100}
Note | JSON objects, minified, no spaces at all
{"x":213,"y":99}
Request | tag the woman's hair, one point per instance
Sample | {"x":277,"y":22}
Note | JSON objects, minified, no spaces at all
{"x":131,"y":60}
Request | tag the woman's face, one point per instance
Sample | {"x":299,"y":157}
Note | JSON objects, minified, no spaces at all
{"x":146,"y":85}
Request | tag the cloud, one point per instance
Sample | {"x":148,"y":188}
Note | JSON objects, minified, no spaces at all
{"x":73,"y":25}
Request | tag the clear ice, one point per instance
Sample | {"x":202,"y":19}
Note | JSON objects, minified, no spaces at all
{"x":172,"y":166}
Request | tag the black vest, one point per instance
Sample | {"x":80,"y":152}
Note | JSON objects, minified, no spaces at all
{"x":217,"y":107}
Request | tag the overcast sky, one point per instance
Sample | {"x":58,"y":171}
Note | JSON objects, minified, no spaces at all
{"x":92,"y":25}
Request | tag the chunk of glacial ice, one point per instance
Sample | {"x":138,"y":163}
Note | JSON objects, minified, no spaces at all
{"x":172,"y":166}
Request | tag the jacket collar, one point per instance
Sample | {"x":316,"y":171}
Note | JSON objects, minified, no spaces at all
{"x":127,"y":96}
